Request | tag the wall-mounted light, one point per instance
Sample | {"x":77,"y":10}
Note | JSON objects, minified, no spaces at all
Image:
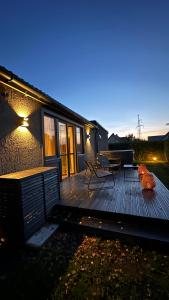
{"x":88,"y":136}
{"x":100,"y":136}
{"x":24,"y":122}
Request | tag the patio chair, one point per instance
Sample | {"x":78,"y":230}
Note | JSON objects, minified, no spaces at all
{"x":104,"y":163}
{"x":98,"y":174}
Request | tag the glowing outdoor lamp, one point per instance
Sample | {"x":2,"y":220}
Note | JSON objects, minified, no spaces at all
{"x":24,"y":122}
{"x":154,"y":158}
{"x":147,"y":181}
{"x":88,"y":136}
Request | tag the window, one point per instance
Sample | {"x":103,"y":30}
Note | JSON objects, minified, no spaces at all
{"x":79,"y":140}
{"x":63,"y":148}
{"x":50,"y":139}
{"x":62,"y":138}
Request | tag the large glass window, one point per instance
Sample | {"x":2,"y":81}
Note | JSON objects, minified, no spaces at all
{"x":62,"y":138}
{"x":50,"y":139}
{"x":79,"y":140}
{"x":71,"y":149}
{"x":63,"y":148}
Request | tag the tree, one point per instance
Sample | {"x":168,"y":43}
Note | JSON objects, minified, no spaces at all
{"x":130,"y":138}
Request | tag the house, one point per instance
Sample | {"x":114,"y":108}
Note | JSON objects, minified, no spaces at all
{"x":114,"y":138}
{"x":36,"y":130}
{"x":158,"y":138}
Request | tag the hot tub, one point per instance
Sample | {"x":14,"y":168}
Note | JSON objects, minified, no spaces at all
{"x":126,"y":156}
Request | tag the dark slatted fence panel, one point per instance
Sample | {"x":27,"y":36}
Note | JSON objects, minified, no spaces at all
{"x":26,"y":200}
{"x":52,"y":191}
{"x":10,"y":220}
{"x":32,"y":204}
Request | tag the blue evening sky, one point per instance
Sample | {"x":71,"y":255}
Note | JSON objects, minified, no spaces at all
{"x":106,"y":59}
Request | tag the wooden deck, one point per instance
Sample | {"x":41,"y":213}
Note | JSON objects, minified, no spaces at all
{"x":126,"y":198}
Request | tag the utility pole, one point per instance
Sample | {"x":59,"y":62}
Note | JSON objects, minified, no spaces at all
{"x":139,"y":125}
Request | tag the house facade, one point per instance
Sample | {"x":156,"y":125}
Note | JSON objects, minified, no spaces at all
{"x":115,"y":139}
{"x":36,"y":130}
{"x":158,"y":138}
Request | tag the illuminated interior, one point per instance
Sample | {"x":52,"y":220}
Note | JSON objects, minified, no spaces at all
{"x":50,"y":140}
{"x":66,"y":143}
{"x":71,"y":150}
{"x":63,"y":148}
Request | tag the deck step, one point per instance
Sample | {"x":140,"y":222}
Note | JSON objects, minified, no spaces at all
{"x":121,"y":229}
{"x":41,"y":236}
{"x":109,"y":216}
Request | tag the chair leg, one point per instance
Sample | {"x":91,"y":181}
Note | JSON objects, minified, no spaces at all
{"x":89,"y":181}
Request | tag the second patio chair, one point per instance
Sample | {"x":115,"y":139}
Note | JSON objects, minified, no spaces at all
{"x":98,"y":174}
{"x":104,"y":163}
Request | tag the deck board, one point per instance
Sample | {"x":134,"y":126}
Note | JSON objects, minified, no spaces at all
{"x":127,"y":196}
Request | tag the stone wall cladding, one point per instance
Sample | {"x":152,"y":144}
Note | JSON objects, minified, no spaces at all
{"x":103,"y":141}
{"x":20,"y":148}
{"x":90,"y":145}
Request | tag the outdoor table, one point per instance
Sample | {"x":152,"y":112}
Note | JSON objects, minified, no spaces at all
{"x":127,"y":167}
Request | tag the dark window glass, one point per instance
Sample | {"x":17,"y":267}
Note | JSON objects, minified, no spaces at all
{"x":79,"y":140}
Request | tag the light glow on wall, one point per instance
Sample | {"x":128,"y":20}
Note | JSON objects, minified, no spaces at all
{"x":23,"y":130}
{"x":88,"y":135}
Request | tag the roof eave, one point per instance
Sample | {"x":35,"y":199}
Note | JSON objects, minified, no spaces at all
{"x":14,"y":80}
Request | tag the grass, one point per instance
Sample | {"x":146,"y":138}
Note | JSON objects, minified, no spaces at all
{"x":160,"y":169}
{"x":106,"y":269}
{"x":74,"y":266}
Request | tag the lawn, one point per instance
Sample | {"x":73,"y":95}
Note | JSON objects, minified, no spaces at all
{"x":161,"y":170}
{"x":74,"y":266}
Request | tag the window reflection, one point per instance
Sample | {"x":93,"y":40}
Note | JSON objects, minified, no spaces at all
{"x":71,"y":139}
{"x":62,"y":138}
{"x":79,"y":140}
{"x":63,"y":148}
{"x":64,"y":165}
{"x":50,"y":140}
{"x":71,"y":149}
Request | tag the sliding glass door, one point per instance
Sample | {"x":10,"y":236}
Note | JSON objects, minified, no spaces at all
{"x":64,"y":140}
{"x":63,"y":148}
{"x":67,"y":149}
{"x":71,"y":150}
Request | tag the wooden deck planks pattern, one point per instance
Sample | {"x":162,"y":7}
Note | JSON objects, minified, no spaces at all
{"x":127,"y":197}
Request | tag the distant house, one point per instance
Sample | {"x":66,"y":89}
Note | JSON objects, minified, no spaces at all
{"x":166,"y":137}
{"x":158,"y":138}
{"x":114,"y":138}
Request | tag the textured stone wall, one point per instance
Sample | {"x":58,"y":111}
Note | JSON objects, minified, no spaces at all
{"x":98,"y":141}
{"x":20,"y":148}
{"x":102,"y":139}
{"x":90,"y":144}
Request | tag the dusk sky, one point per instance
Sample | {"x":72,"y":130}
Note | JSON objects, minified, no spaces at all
{"x":107,"y":60}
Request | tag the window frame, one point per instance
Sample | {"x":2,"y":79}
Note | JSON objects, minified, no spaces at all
{"x":55,"y":130}
{"x":81,"y":140}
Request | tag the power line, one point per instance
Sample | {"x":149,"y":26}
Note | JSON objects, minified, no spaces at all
{"x":139,"y":125}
